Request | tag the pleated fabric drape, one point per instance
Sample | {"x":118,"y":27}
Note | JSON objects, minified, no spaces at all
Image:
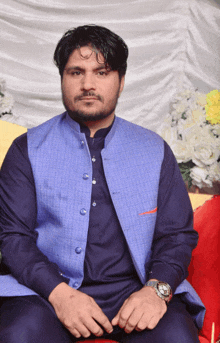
{"x":173,"y":44}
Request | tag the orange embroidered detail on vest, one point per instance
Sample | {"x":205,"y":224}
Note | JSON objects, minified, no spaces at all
{"x":148,"y":212}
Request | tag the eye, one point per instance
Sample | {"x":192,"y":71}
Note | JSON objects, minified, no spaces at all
{"x":103,"y":73}
{"x":76,"y":73}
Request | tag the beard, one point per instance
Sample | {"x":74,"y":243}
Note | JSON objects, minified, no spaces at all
{"x":83,"y":116}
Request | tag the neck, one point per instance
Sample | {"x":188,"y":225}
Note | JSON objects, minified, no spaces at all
{"x":94,"y":126}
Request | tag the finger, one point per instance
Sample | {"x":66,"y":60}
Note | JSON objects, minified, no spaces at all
{"x":153,"y":322}
{"x":124,"y":315}
{"x":147,"y":322}
{"x":75,"y":333}
{"x":93,"y":327}
{"x":82,"y":330}
{"x":133,"y":321}
{"x":103,"y":320}
{"x":116,"y":318}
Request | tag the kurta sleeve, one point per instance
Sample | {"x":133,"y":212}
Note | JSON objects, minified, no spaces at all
{"x":174,"y":237}
{"x":18,"y":214}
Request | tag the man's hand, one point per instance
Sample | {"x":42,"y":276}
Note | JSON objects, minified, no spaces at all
{"x":143,"y":309}
{"x":78,"y":312}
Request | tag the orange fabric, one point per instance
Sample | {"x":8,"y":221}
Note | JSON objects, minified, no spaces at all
{"x":204,"y":270}
{"x":148,"y":212}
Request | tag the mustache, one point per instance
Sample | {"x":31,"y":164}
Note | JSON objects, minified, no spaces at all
{"x":85,"y":94}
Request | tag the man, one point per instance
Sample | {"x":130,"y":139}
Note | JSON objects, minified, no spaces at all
{"x":96,"y":225}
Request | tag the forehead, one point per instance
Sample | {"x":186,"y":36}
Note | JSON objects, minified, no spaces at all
{"x":86,"y":55}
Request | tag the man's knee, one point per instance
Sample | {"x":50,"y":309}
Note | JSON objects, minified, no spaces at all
{"x":178,"y":326}
{"x":29,"y":320}
{"x":181,"y":332}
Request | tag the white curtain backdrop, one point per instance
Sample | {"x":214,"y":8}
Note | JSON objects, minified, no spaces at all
{"x":173,"y":44}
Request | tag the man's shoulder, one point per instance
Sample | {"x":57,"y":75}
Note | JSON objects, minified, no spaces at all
{"x":38,"y":133}
{"x":47,"y":124}
{"x":135,"y":131}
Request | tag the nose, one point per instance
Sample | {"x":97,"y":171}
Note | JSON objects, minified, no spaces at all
{"x":88,"y":82}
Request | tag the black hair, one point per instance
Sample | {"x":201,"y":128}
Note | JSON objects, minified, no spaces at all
{"x":101,"y":39}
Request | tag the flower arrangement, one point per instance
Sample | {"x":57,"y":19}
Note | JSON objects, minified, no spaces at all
{"x":6,"y":100}
{"x":192,"y":129}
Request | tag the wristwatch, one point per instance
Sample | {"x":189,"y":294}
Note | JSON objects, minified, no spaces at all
{"x":162,"y":289}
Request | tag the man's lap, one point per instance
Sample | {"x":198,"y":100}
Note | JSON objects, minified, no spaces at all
{"x":32,"y":319}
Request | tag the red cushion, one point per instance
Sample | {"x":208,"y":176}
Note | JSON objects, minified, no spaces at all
{"x":204,"y":269}
{"x":203,"y":340}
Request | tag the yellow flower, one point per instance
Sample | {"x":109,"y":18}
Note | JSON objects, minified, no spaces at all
{"x":213,"y":107}
{"x":213,"y":97}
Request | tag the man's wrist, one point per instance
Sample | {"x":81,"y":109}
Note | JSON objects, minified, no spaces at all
{"x":162,"y":289}
{"x":62,"y":289}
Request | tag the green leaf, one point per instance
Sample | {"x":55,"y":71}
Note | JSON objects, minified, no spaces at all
{"x":185,"y":169}
{"x":184,"y":115}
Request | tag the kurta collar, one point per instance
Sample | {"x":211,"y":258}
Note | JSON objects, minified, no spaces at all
{"x":106,"y":132}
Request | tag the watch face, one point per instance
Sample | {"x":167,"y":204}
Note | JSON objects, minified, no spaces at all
{"x":164,"y":289}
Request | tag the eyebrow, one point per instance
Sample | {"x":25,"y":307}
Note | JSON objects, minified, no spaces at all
{"x":102,"y":66}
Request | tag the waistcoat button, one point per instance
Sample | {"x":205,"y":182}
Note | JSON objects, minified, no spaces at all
{"x":85,"y":176}
{"x":78,"y":250}
{"x":83,"y":211}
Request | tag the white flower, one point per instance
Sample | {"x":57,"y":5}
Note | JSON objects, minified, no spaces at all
{"x":200,"y":177}
{"x":216,"y":129}
{"x":194,"y":134}
{"x":198,"y":116}
{"x":180,"y":107}
{"x":201,"y":99}
{"x":181,"y":150}
{"x":169,"y":134}
{"x":6,"y":103}
{"x":205,"y":154}
{"x":187,"y":128}
{"x":214,"y":171}
{"x":192,"y":138}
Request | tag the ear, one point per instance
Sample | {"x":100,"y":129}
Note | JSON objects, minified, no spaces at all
{"x":122,"y":82}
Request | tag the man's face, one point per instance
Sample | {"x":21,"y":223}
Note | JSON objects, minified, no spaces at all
{"x":90,"y":90}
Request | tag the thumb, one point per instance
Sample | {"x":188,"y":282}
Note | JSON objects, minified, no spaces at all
{"x":115,"y":320}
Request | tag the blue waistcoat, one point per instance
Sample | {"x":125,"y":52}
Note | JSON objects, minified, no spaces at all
{"x":60,"y":160}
